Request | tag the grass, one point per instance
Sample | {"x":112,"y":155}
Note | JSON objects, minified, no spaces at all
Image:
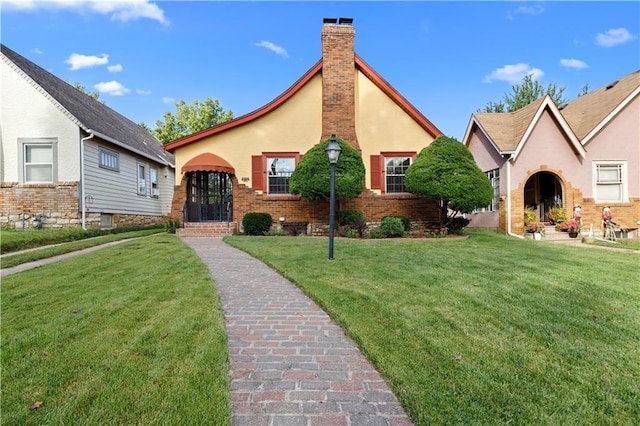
{"x":13,"y":259}
{"x":12,"y":240}
{"x":131,"y":334}
{"x":625,"y":243}
{"x":482,"y":331}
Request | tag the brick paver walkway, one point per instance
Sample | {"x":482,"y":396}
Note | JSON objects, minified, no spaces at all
{"x":290,"y":364}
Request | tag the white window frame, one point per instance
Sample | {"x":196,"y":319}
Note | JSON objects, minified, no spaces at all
{"x":494,"y":177}
{"x":141,"y":173}
{"x":387,"y":175}
{"x":622,"y":181}
{"x":52,"y":143}
{"x":108,"y":159}
{"x":275,"y":173}
{"x":153,"y":179}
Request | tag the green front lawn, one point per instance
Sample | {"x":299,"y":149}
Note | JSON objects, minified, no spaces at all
{"x":131,"y":334}
{"x":482,"y":331}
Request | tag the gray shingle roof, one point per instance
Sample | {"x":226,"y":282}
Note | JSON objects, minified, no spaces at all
{"x":92,"y":114}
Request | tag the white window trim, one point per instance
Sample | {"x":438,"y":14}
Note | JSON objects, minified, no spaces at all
{"x":144,"y":178}
{"x":386,"y":175}
{"x":624,"y":178}
{"x":23,"y":143}
{"x":273,"y":157}
{"x":155,"y":189}
{"x":108,"y":152}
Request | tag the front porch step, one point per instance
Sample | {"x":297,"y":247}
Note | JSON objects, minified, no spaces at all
{"x":207,"y":229}
{"x":553,"y":236}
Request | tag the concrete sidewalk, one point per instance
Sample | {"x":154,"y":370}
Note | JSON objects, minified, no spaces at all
{"x":289,"y":363}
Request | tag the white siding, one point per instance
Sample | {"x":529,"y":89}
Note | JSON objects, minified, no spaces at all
{"x":109,"y":191}
{"x":25,"y":112}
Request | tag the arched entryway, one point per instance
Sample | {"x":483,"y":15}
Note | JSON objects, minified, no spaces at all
{"x":542,"y":192}
{"x":209,"y":189}
{"x":209,"y":197}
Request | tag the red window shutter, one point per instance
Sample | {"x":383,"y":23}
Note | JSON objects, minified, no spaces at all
{"x":257,"y":172}
{"x":377,"y":172}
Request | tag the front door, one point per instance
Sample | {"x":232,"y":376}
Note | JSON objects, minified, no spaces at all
{"x":209,"y":197}
{"x":542,"y":192}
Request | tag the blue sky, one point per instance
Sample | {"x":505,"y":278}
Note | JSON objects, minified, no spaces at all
{"x":448,"y":58}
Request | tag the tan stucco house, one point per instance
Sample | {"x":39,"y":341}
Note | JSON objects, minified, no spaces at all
{"x":585,"y":153}
{"x":243,"y":165}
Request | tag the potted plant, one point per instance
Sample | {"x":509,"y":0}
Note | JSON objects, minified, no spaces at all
{"x":556,"y":215}
{"x":571,"y":226}
{"x":535,"y":228}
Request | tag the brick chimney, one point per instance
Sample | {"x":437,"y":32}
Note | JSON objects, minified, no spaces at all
{"x":338,"y":80}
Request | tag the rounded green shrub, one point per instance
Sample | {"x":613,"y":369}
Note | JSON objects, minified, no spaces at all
{"x":392,"y":226}
{"x":257,"y":223}
{"x":406,"y":223}
{"x":349,"y":217}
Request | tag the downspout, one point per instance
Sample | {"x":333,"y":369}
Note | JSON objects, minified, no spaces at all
{"x":509,"y":201}
{"x":82,"y":196}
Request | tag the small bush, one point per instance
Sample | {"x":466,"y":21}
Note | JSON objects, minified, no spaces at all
{"x":349,"y":217}
{"x":457,"y":225}
{"x":171,"y":224}
{"x":393,"y":226}
{"x":257,"y":223}
{"x":351,"y":233}
{"x":376,"y":233}
{"x":406,"y":223}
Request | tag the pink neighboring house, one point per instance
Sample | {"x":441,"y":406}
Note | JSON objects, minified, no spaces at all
{"x":585,"y":153}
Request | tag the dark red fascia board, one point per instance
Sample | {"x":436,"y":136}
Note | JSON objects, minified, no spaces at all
{"x":360,"y":64}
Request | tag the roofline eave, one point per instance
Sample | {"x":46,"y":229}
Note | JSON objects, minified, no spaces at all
{"x":246,"y":118}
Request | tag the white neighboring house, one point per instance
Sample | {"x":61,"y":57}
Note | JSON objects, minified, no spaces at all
{"x":69,"y":160}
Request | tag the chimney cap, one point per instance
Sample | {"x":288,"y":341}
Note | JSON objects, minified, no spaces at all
{"x":346,"y":21}
{"x":329,"y":21}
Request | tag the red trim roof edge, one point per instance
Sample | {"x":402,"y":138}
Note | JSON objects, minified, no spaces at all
{"x":171,"y":146}
{"x":397,"y":97}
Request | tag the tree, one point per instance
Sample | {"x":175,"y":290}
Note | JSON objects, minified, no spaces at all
{"x":584,"y":90}
{"x":525,"y":93}
{"x":311,"y":177}
{"x":190,"y":119}
{"x":445,"y":170}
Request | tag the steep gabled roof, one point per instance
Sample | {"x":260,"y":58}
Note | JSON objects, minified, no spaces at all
{"x":588,"y":112}
{"x":581,"y":118}
{"x":287,"y":94}
{"x":89,"y":114}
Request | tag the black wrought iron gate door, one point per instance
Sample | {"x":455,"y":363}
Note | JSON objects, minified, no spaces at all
{"x":210,"y":197}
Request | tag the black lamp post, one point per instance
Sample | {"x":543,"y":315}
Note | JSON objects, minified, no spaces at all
{"x":333,"y":152}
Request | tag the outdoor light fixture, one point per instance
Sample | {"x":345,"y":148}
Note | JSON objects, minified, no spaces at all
{"x":333,"y":152}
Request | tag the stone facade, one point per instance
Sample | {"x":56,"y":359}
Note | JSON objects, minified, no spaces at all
{"x":56,"y":206}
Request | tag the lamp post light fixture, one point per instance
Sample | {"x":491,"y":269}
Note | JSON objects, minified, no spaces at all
{"x":333,"y":152}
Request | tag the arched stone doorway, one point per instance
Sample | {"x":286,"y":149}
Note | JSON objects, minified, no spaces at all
{"x":542,"y":192}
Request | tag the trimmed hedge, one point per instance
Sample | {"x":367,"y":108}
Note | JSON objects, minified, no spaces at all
{"x":257,"y":223}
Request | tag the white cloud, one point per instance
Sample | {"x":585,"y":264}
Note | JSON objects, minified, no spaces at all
{"x":119,"y":10}
{"x":37,"y":51}
{"x":274,"y":48}
{"x":614,"y":37}
{"x":529,"y":9}
{"x":574,"y":63}
{"x":78,"y":61}
{"x":143,"y":92}
{"x":513,"y":73}
{"x":112,"y":88}
{"x":168,"y":100}
{"x":115,"y":68}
